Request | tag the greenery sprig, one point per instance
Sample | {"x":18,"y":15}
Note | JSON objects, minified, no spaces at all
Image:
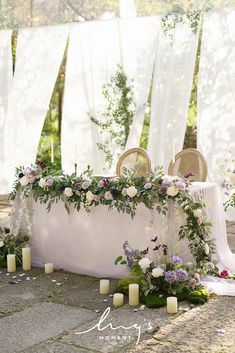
{"x":114,"y":123}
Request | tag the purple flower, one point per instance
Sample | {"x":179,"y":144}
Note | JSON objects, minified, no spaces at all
{"x":127,"y":249}
{"x":147,"y":186}
{"x":49,"y":182}
{"x":176,"y":260}
{"x":182,"y":275}
{"x":181,"y":185}
{"x":170,"y":276}
{"x":166,"y":181}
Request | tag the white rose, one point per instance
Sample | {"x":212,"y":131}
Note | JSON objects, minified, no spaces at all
{"x":24,"y":181}
{"x":144,"y":263}
{"x":172,"y":191}
{"x":108,"y":195}
{"x":131,"y":191}
{"x":1,"y":244}
{"x":206,"y":249}
{"x":197,"y":213}
{"x":68,"y":192}
{"x":157,"y":272}
{"x":90,"y":196}
{"x":42,"y":183}
{"x":124,"y":192}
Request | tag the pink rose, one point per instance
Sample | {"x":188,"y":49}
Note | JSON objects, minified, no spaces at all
{"x":225,"y":273}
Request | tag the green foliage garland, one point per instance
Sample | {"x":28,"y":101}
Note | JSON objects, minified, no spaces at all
{"x":123,"y":194}
{"x":115,"y":122}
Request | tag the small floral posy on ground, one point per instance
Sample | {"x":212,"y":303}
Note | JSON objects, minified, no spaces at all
{"x":11,"y":243}
{"x":163,"y":276}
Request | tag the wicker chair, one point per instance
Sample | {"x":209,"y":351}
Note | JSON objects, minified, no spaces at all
{"x":135,"y":160}
{"x":189,"y":160}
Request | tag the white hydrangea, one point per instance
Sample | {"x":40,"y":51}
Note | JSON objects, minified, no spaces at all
{"x":144,"y":263}
{"x":157,"y":272}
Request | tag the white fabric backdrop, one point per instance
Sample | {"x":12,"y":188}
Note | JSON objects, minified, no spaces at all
{"x":172,"y":84}
{"x":138,"y":44}
{"x":5,"y":85}
{"x":93,"y":55}
{"x":216,"y":90}
{"x":38,"y":57}
{"x":94,"y":51}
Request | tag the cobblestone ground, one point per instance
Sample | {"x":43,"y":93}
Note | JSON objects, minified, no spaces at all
{"x":42,"y":313}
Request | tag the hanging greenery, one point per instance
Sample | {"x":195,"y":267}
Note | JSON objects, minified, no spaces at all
{"x":172,"y":19}
{"x":114,"y":123}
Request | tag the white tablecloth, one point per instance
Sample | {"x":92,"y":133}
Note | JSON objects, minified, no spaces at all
{"x":89,"y":243}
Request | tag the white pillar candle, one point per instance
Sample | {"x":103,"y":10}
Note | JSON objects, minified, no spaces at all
{"x":134,"y":296}
{"x":48,"y":268}
{"x":118,"y":299}
{"x":26,"y":259}
{"x":104,"y":286}
{"x":172,"y":306}
{"x":11,"y":263}
{"x":52,"y":151}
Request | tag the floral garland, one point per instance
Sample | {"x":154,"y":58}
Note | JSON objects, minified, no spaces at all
{"x":123,"y":194}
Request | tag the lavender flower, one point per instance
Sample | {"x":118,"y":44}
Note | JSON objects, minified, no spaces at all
{"x":182,"y":275}
{"x":147,"y":186}
{"x":170,"y":276}
{"x":127,"y":249}
{"x":176,"y":260}
{"x":49,"y":182}
{"x":166,"y":181}
{"x":181,"y":185}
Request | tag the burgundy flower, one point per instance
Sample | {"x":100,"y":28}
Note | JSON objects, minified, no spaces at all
{"x":145,"y":252}
{"x":188,"y":175}
{"x":41,"y":164}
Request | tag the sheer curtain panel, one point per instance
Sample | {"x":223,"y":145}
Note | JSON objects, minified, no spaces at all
{"x":38,"y":58}
{"x":172,"y":84}
{"x":5,"y":85}
{"x":93,"y":55}
{"x":216,"y":90}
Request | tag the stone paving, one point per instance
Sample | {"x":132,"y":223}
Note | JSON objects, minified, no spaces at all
{"x":44,"y":314}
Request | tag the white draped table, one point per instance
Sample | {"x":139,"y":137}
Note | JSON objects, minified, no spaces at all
{"x":89,"y":243}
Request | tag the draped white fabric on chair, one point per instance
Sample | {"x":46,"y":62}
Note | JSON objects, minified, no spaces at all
{"x":38,"y":57}
{"x":216,"y":90}
{"x":172,"y":84}
{"x":138,"y":46}
{"x":5,"y":84}
{"x":93,"y":55}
